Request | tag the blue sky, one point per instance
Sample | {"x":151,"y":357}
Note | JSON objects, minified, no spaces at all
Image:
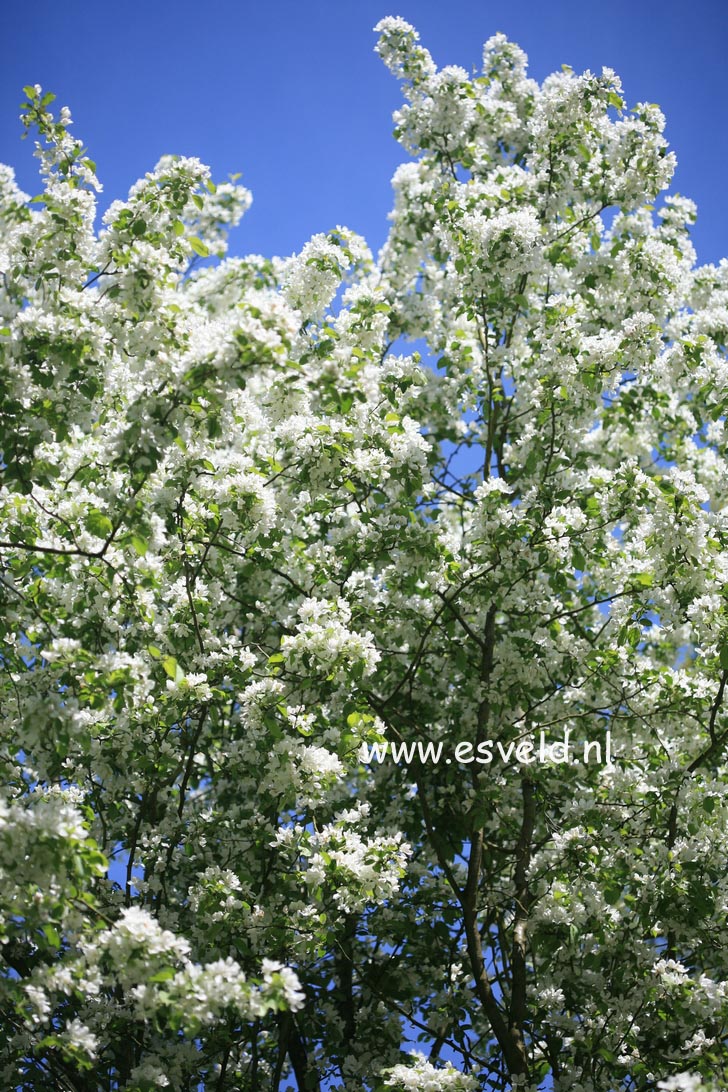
{"x":291,"y":94}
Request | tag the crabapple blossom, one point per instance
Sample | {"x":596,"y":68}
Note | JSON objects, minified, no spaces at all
{"x":250,"y":539}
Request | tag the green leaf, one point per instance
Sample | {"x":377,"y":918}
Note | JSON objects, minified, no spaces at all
{"x":723,"y":656}
{"x":139,"y":544}
{"x":179,"y":228}
{"x":171,"y":667}
{"x":52,"y":935}
{"x":198,"y":246}
{"x":164,"y":975}
{"x":98,"y":524}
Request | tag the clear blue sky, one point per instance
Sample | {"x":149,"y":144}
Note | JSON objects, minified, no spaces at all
{"x":291,"y":94}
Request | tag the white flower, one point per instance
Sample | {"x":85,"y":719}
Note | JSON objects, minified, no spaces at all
{"x":81,"y":1037}
{"x":137,"y":934}
{"x":422,"y":1076}
{"x":279,"y":979}
{"x":684,"y":1082}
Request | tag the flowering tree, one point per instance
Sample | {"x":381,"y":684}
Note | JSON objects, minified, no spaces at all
{"x":248,"y":545}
